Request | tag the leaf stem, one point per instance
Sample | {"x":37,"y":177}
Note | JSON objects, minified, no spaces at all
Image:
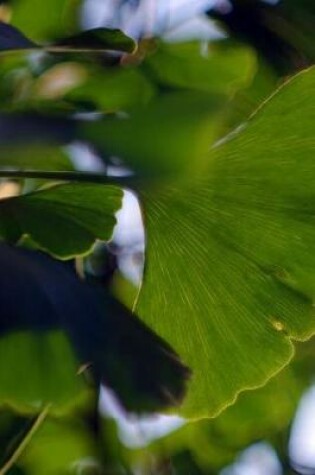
{"x":25,"y":441}
{"x":87,"y":177}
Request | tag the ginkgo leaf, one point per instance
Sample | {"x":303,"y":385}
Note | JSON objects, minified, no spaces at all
{"x":230,"y":263}
{"x":64,"y":219}
{"x":58,"y":332}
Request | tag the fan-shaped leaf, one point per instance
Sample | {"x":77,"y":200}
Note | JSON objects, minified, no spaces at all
{"x":229,"y":279}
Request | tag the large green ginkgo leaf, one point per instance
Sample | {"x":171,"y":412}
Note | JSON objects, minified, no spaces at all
{"x":230,"y":269}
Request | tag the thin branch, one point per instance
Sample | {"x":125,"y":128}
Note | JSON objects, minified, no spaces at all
{"x":25,"y":441}
{"x":83,"y":177}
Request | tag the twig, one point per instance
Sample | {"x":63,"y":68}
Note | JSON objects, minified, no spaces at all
{"x":25,"y":441}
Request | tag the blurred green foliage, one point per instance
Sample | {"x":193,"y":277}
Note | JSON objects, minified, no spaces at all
{"x":227,"y":205}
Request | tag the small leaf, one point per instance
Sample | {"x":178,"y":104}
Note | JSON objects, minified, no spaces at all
{"x":74,"y":216}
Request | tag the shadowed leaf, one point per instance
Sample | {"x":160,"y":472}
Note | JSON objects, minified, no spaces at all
{"x":75,"y":215}
{"x":170,"y":135}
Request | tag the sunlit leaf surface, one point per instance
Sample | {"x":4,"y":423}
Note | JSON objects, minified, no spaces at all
{"x":13,"y":39}
{"x":230,"y":256}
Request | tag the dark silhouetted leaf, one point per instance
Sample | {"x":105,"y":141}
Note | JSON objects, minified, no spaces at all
{"x":43,"y":304}
{"x":80,"y":213}
{"x":246,"y":227}
{"x":35,"y":129}
{"x":114,"y":90}
{"x":12,"y":39}
{"x":97,"y":39}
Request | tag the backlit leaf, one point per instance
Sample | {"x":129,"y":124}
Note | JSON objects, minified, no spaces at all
{"x":230,"y":255}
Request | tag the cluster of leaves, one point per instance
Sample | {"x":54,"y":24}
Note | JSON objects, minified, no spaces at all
{"x":228,"y":208}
